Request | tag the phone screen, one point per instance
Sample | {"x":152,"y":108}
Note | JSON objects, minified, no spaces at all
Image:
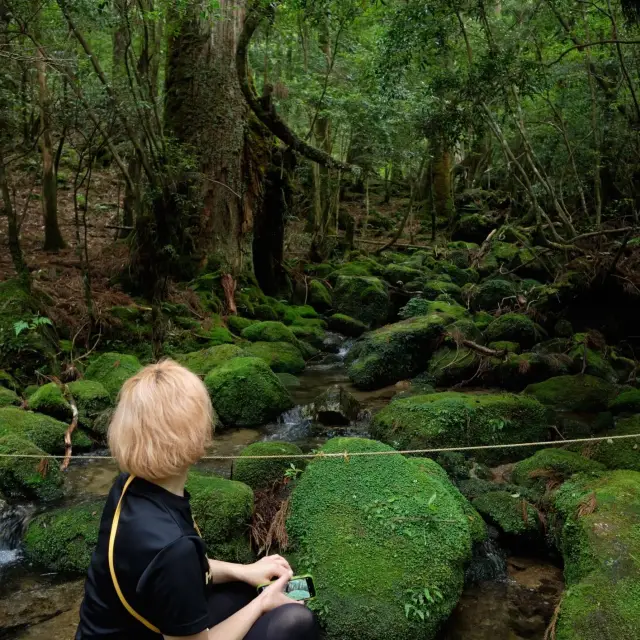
{"x":298,"y":588}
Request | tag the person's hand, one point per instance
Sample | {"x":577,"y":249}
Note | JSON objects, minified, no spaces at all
{"x":265,"y":570}
{"x":273,"y":596}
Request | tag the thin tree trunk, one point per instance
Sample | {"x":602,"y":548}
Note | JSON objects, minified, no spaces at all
{"x":442,"y":192}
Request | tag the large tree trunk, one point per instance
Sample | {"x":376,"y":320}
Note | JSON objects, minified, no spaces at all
{"x":207,"y":113}
{"x":442,"y":193}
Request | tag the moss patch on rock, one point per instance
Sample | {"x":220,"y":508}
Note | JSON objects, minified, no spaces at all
{"x":21,"y":479}
{"x":112,"y":370}
{"x":9,"y":398}
{"x":627,"y":402}
{"x":201,"y":362}
{"x":91,"y":399}
{"x":346,"y":325}
{"x":511,"y":513}
{"x":237,"y":324}
{"x":282,"y":357}
{"x":269,"y":332}
{"x":617,"y":454}
{"x":574,"y":393}
{"x":261,"y":474}
{"x":492,"y":293}
{"x":514,"y":327}
{"x":457,"y":419}
{"x":45,"y":432}
{"x":63,"y":540}
{"x":223,"y":510}
{"x":246,"y":393}
{"x":451,"y":366}
{"x":49,"y":399}
{"x":319,"y":296}
{"x":362,"y":528}
{"x":364,"y":298}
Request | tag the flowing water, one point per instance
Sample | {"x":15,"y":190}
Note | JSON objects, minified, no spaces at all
{"x":506,"y":598}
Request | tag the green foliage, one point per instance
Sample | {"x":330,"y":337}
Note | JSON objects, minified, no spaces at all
{"x":63,"y":540}
{"x":112,"y":370}
{"x":371,"y":529}
{"x":415,"y":307}
{"x":262,"y":474}
{"x":574,"y":393}
{"x":245,"y":392}
{"x":31,"y":325}
{"x":222,"y":509}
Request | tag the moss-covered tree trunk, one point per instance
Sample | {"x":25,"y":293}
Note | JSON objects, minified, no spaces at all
{"x":206,"y":112}
{"x":442,"y":192}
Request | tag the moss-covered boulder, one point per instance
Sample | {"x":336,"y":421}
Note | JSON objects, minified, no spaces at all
{"x":223,"y":510}
{"x":7,"y":381}
{"x":319,"y":296}
{"x":201,"y":362}
{"x":552,"y":465}
{"x":435,"y":288}
{"x":362,"y":527}
{"x":237,"y":324}
{"x":26,"y":478}
{"x":335,"y":406}
{"x":282,"y":357}
{"x":112,"y":370}
{"x":365,"y":299}
{"x":346,"y":325}
{"x":396,"y":274}
{"x":627,"y":402}
{"x":9,"y":398}
{"x":593,"y":363}
{"x":449,"y":366}
{"x":245,"y":392}
{"x":395,"y":352}
{"x":265,"y":312}
{"x":621,"y":453}
{"x":474,"y":227}
{"x":574,"y":393}
{"x":269,"y":332}
{"x":50,"y":400}
{"x":91,"y":399}
{"x":492,"y":294}
{"x":600,"y":543}
{"x":514,"y":327}
{"x":261,"y":474}
{"x":511,"y":513}
{"x":63,"y":540}
{"x":516,"y":371}
{"x":44,"y":431}
{"x":311,"y":333}
{"x":458,"y":419}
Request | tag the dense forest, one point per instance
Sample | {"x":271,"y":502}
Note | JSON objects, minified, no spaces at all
{"x":367,"y":226}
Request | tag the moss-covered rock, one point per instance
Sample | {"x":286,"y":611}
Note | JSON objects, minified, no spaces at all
{"x":319,"y":296}
{"x":627,"y":402}
{"x":311,"y":333}
{"x":269,"y":332}
{"x":245,"y":392}
{"x":505,"y":345}
{"x":112,"y":370}
{"x":492,"y":294}
{"x":261,"y":474}
{"x":24,"y":478}
{"x":592,"y":363}
{"x":265,"y":312}
{"x":222,"y":509}
{"x":474,"y":227}
{"x":574,"y":393}
{"x":346,"y":325}
{"x":514,"y":327}
{"x":49,"y":399}
{"x":435,"y":288}
{"x":365,"y":299}
{"x":617,"y":453}
{"x":91,"y":399}
{"x":516,"y":371}
{"x":9,"y":398}
{"x":600,"y":544}
{"x":511,"y":513}
{"x":458,"y":275}
{"x":63,"y":540}
{"x":43,"y":431}
{"x":457,"y":419}
{"x":201,"y":362}
{"x":450,"y":366}
{"x":556,"y":465}
{"x":282,"y":357}
{"x":401,"y":273}
{"x":7,"y":381}
{"x":394,"y":352}
{"x":499,"y":254}
{"x":362,"y":527}
{"x":237,"y":324}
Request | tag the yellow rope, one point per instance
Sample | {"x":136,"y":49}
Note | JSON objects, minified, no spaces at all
{"x":353,"y":454}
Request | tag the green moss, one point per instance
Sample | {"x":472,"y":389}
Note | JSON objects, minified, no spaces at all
{"x":49,"y":399}
{"x":434,"y":288}
{"x":555,"y":464}
{"x":500,"y":253}
{"x":618,"y":454}
{"x":238,"y":324}
{"x":314,"y":334}
{"x":627,"y":402}
{"x":457,"y":419}
{"x":596,"y":363}
{"x":365,"y":299}
{"x":43,"y":431}
{"x":505,"y":345}
{"x":63,"y":540}
{"x":9,"y":398}
{"x":514,"y":327}
{"x":517,"y":371}
{"x":269,"y":332}
{"x":319,"y":296}
{"x":7,"y":382}
{"x":511,"y":513}
{"x":216,"y":336}
{"x":112,"y":370}
{"x":600,"y":542}
{"x":21,"y":478}
{"x":395,"y":273}
{"x":223,"y":509}
{"x":91,"y":399}
{"x":346,"y":325}
{"x":449,"y":366}
{"x":282,"y":357}
{"x":319,"y":270}
{"x":201,"y":362}
{"x":245,"y":392}
{"x":394,"y":352}
{"x":265,"y":312}
{"x":492,"y":294}
{"x":573,"y":393}
{"x":362,"y":528}
{"x":482,"y":319}
{"x":474,"y":227}
{"x":261,"y":474}
{"x":458,"y":276}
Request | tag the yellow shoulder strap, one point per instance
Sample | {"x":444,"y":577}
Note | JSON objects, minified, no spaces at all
{"x":112,"y":541}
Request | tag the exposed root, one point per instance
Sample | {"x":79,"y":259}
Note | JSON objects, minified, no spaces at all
{"x":587,"y":506}
{"x":550,"y":633}
{"x":268,"y":526}
{"x":485,"y":351}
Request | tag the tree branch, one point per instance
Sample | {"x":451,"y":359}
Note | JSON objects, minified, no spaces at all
{"x":581,"y":46}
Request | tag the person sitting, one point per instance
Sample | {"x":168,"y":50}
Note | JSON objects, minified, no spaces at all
{"x":149,"y":575}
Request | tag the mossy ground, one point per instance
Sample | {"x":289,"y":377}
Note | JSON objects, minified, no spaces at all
{"x":112,"y":370}
{"x":222,"y":510}
{"x":261,"y":474}
{"x":373,"y":531}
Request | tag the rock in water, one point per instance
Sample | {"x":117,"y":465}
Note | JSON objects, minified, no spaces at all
{"x":336,"y":406}
{"x":378,"y":533}
{"x":13,"y":524}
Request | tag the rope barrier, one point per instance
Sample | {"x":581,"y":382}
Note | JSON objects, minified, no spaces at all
{"x":348,"y":454}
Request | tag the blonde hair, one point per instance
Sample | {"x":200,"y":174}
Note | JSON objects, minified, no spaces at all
{"x":163,"y":421}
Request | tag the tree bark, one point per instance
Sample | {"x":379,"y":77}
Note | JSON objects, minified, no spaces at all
{"x":442,"y":193}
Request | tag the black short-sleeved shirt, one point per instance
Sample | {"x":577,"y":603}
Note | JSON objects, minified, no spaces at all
{"x":160,"y":563}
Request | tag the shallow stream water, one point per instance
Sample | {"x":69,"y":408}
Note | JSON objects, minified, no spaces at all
{"x":507,"y":598}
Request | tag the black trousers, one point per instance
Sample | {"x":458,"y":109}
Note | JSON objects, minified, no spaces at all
{"x":288,"y":622}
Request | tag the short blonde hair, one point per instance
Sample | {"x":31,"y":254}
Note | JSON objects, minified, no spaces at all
{"x":163,"y":421}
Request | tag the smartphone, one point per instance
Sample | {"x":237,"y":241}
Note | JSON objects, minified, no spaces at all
{"x":298,"y":588}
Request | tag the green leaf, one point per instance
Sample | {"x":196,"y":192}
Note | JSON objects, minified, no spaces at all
{"x":20,"y":326}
